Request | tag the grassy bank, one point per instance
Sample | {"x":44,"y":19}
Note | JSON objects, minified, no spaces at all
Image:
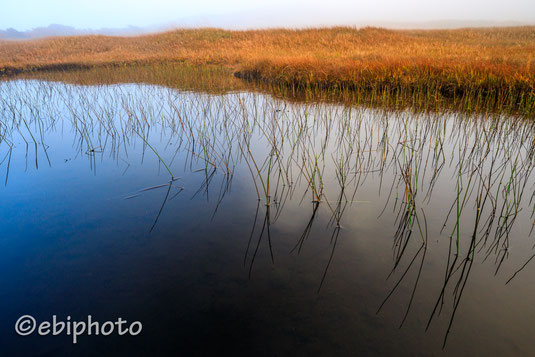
{"x":495,"y":64}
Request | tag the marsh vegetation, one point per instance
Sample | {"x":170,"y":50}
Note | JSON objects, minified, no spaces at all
{"x":385,"y":196}
{"x":493,"y":66}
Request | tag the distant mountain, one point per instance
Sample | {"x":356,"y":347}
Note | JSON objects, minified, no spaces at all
{"x":61,"y":30}
{"x":245,"y":20}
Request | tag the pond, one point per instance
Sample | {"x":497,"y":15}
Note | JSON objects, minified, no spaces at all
{"x":245,"y":224}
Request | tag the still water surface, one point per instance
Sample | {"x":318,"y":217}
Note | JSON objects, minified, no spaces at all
{"x":151,"y":204}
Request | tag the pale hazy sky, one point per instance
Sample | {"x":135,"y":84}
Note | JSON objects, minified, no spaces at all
{"x":27,"y":14}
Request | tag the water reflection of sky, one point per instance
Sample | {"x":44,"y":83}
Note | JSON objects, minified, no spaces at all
{"x":90,"y":233}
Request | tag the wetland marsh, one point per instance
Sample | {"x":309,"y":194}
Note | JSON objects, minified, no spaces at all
{"x":239,"y":220}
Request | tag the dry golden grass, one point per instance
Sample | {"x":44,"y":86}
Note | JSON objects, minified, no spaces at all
{"x":490,"y":62}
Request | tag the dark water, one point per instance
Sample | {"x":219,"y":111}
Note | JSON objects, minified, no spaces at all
{"x":93,"y":224}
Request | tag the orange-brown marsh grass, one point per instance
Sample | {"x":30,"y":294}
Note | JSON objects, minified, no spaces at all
{"x":491,"y":63}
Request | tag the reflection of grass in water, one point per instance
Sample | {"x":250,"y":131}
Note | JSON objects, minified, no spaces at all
{"x":312,"y":152}
{"x":218,"y":79}
{"x":492,"y":65}
{"x":208,"y":78}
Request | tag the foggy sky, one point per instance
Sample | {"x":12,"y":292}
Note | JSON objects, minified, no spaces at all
{"x":27,"y":14}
